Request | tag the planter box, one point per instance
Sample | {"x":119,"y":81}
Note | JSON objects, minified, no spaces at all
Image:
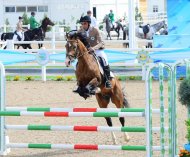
{"x":187,"y":147}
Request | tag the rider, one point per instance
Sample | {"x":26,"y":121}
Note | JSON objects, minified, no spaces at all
{"x":19,"y":30}
{"x":111,"y":16}
{"x":33,"y":23}
{"x":96,"y":45}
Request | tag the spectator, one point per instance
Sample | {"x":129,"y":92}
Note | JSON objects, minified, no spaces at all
{"x":94,"y":22}
{"x":19,"y":33}
{"x":33,"y":23}
{"x":111,"y":16}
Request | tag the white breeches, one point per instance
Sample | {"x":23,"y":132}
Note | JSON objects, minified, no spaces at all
{"x":101,"y":53}
{"x":21,"y":34}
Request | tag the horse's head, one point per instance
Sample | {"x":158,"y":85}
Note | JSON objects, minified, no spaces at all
{"x":46,"y":21}
{"x":76,"y":43}
{"x":159,"y":25}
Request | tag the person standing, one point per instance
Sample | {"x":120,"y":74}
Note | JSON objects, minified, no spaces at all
{"x":19,"y":33}
{"x":111,"y":16}
{"x":94,"y":22}
{"x":33,"y":23}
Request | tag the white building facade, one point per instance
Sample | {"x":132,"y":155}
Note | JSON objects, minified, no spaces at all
{"x":69,"y":11}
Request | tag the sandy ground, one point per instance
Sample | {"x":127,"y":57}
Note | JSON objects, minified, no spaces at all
{"x":59,"y":94}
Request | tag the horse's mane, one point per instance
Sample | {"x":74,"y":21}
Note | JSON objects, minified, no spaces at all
{"x":81,"y":36}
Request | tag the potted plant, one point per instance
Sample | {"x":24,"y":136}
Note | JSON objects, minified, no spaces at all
{"x":184,"y":98}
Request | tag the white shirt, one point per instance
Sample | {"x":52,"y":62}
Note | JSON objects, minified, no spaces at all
{"x":94,"y":22}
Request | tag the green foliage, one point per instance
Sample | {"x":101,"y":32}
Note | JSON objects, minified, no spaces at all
{"x":184,"y":92}
{"x":67,"y":28}
{"x":187,"y":123}
{"x":59,"y":78}
{"x":138,"y":16}
{"x":26,"y":19}
{"x":132,"y":78}
{"x":8,"y":29}
{"x":16,"y":78}
{"x":101,"y":26}
{"x":69,"y":78}
{"x":29,"y":78}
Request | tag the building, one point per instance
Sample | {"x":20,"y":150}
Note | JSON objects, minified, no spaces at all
{"x":63,"y":11}
{"x":69,"y":11}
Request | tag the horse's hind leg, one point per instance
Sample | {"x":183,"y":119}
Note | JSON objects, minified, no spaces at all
{"x":103,"y":102}
{"x":119,"y":99}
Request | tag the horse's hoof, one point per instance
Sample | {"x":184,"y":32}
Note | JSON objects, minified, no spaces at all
{"x":115,"y":142}
{"x":127,"y":138}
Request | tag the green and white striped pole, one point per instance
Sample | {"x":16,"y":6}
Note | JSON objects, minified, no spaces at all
{"x":170,"y":85}
{"x":149,"y":111}
{"x":2,"y":107}
{"x":162,"y":114}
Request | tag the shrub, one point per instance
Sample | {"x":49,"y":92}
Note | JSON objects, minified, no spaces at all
{"x":132,"y":78}
{"x":29,"y":78}
{"x":184,"y":92}
{"x":16,"y":78}
{"x":187,"y":123}
{"x":68,"y":78}
{"x":59,"y":78}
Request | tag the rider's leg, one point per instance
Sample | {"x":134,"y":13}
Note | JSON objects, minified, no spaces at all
{"x":106,"y":68}
{"x":19,"y":36}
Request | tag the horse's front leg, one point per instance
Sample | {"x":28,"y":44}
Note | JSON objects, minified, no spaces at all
{"x":92,"y":87}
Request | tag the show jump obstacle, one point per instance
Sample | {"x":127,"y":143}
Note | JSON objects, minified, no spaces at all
{"x":167,"y":112}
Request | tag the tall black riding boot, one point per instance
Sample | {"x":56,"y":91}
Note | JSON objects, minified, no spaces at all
{"x":107,"y":76}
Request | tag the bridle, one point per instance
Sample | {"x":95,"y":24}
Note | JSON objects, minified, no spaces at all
{"x":76,"y":51}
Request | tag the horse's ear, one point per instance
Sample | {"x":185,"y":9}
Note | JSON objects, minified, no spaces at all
{"x":66,"y":35}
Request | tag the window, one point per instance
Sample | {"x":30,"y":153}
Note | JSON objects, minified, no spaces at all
{"x":155,"y":8}
{"x":9,"y":9}
{"x":20,"y":9}
{"x":31,"y":8}
{"x":42,"y":8}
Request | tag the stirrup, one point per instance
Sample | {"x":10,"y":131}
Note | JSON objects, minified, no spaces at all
{"x":108,"y":85}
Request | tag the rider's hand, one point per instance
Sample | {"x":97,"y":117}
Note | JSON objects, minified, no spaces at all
{"x":91,"y":50}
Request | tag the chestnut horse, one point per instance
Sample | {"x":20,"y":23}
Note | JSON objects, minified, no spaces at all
{"x":91,"y":81}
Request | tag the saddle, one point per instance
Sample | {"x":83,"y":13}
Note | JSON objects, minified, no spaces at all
{"x":101,"y":66}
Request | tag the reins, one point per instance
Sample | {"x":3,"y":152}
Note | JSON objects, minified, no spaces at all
{"x":78,"y":56}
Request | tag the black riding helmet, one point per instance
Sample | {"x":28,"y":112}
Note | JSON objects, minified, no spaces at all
{"x":85,"y":19}
{"x":32,"y":13}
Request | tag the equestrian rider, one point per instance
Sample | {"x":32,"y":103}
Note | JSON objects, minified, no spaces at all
{"x":33,"y":23}
{"x":19,"y":30}
{"x":96,"y":45}
{"x":111,"y":16}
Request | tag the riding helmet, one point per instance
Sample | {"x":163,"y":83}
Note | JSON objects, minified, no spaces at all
{"x":32,"y":13}
{"x":85,"y":19}
{"x":20,"y":18}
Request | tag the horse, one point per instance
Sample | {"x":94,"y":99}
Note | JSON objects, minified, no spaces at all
{"x":118,"y":26}
{"x":29,"y":35}
{"x":148,"y":31}
{"x":91,"y":81}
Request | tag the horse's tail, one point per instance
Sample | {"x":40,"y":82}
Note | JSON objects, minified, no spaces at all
{"x":125,"y":101}
{"x":2,"y":36}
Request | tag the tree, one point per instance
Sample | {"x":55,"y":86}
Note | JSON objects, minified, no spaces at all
{"x":7,"y":25}
{"x":26,"y":19}
{"x":138,"y":16}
